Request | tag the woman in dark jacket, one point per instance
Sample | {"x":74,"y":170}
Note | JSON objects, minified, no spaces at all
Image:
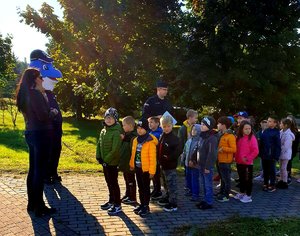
{"x":33,"y":103}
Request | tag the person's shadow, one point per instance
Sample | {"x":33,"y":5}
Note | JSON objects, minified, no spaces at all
{"x":133,"y":228}
{"x":71,"y":217}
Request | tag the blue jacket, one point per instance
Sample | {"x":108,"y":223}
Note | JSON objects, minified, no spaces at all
{"x":270,"y":144}
{"x":157,"y":133}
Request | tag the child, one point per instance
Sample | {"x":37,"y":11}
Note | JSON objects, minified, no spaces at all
{"x":263,"y":126}
{"x":125,"y":154}
{"x":287,"y":138}
{"x":192,"y":173}
{"x":270,"y":152}
{"x":108,"y":155}
{"x":205,"y":159}
{"x":168,"y":153}
{"x":226,"y":149}
{"x":247,"y":151}
{"x":156,"y":131}
{"x":143,"y":161}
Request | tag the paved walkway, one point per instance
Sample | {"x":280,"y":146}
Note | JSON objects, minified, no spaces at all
{"x":78,"y":197}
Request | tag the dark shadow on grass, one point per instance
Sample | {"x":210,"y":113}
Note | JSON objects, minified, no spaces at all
{"x":13,"y":139}
{"x":71,"y":214}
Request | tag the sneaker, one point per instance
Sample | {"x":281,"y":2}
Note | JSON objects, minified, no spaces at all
{"x":265,"y":188}
{"x":222,"y":198}
{"x":128,"y":201}
{"x":239,"y":196}
{"x":124,"y":197}
{"x":282,"y":185}
{"x":156,"y":196}
{"x":205,"y":206}
{"x":246,"y":199}
{"x":258,"y":178}
{"x":218,"y":186}
{"x":114,"y":210}
{"x":298,"y":180}
{"x":137,"y":209}
{"x":198,"y":205}
{"x":163,"y":201}
{"x":271,"y":189}
{"x":144,"y":211}
{"x":289,"y":181}
{"x":170,"y":207}
{"x":187,"y":193}
{"x":43,"y":211}
{"x":106,"y":206}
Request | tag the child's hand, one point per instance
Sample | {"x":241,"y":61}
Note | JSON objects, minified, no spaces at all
{"x":151,"y":176}
{"x":206,"y":171}
{"x":245,"y":159}
{"x":191,"y":164}
{"x":131,"y":168}
{"x":122,"y":136}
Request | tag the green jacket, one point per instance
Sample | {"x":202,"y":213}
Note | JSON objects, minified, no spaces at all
{"x":125,"y":151}
{"x":108,"y":146}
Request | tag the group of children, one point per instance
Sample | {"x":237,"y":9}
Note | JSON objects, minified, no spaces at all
{"x":150,"y":150}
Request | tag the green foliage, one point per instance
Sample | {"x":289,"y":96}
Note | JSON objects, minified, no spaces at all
{"x":245,"y":226}
{"x":7,"y":65}
{"x":111,"y":52}
{"x":242,"y":55}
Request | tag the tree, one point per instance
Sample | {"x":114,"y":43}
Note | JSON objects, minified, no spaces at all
{"x":111,"y":52}
{"x":242,"y":55}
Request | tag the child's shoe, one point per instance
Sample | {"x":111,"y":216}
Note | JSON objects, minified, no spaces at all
{"x":115,"y":209}
{"x":239,"y":196}
{"x":128,"y":201}
{"x":170,"y":207}
{"x":156,"y":196}
{"x":265,"y":188}
{"x":222,"y":198}
{"x":298,"y":180}
{"x":205,"y":206}
{"x":137,"y":209}
{"x":163,"y":201}
{"x":271,"y":189}
{"x":144,"y":211}
{"x":258,"y":178}
{"x":246,"y":199}
{"x":124,"y":197}
{"x":106,"y":206}
{"x":282,"y":185}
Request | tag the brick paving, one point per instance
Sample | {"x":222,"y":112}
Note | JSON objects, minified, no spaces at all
{"x":78,"y":198}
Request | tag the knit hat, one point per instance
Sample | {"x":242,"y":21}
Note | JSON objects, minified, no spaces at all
{"x":112,"y":112}
{"x":242,"y":114}
{"x":209,"y":122}
{"x":161,"y":84}
{"x":143,"y":123}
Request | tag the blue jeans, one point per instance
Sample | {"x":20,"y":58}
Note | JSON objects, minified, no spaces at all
{"x":194,"y":183}
{"x":39,"y":151}
{"x":207,"y":186}
{"x":188,"y":178}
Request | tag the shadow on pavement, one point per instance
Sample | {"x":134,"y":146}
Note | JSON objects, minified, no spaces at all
{"x":71,"y":217}
{"x":133,"y":228}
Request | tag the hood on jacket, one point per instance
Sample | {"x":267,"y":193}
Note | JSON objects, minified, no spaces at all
{"x":198,"y":129}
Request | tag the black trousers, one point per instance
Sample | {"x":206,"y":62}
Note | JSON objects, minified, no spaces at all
{"x":130,"y":183}
{"x":245,"y":174}
{"x":143,"y":181}
{"x":269,"y":169}
{"x":55,"y":153}
{"x":111,"y":178}
{"x":39,"y":150}
{"x":289,"y":167}
{"x":156,"y":180}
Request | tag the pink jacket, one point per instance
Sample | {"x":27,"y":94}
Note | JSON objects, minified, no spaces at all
{"x":247,"y":150}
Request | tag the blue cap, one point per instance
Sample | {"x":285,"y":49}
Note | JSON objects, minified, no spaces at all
{"x":242,"y":114}
{"x":161,"y":84}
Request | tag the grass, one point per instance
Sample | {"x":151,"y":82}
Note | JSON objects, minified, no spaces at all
{"x":78,"y":148}
{"x":245,"y":226}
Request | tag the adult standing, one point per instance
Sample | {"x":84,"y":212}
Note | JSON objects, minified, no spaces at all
{"x":44,"y":63}
{"x":157,"y":105}
{"x":32,"y":101}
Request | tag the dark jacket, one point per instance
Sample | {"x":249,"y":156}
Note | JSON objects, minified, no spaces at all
{"x":38,"y":115}
{"x":108,"y":145}
{"x":154,"y":106}
{"x":270,"y":144}
{"x":207,"y":150}
{"x":57,"y":121}
{"x":168,"y":151}
{"x":296,"y":144}
{"x":125,"y":151}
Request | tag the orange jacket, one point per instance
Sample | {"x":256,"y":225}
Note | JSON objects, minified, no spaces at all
{"x":148,"y":155}
{"x":228,"y":144}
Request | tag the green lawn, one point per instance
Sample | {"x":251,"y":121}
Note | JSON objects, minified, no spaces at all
{"x":245,"y":227}
{"x":78,"y":149}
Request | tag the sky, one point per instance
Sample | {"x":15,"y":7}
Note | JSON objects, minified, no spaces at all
{"x":25,"y":38}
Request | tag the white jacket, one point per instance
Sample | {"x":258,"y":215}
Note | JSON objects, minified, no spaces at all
{"x":287,"y":137}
